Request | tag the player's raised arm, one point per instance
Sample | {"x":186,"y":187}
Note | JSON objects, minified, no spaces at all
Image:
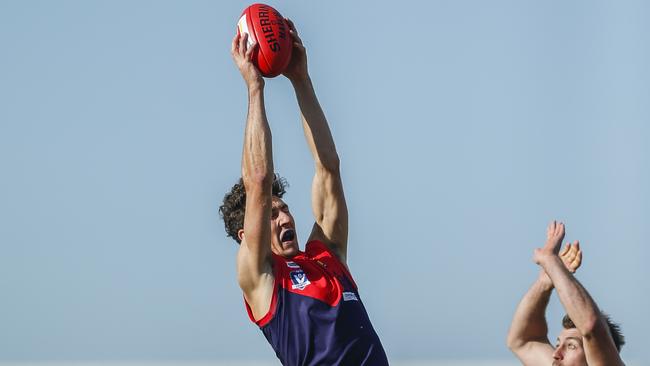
{"x":328,"y":200}
{"x":528,"y":334}
{"x":599,"y":346}
{"x":254,"y":256}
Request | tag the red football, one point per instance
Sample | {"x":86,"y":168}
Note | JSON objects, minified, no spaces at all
{"x":270,"y":30}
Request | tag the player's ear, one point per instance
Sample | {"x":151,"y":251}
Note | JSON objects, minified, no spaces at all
{"x":240,"y":234}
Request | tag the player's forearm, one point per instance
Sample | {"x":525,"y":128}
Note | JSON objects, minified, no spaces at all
{"x":529,"y":321}
{"x":257,"y":174}
{"x":257,"y":159}
{"x":580,"y":307}
{"x":317,"y":131}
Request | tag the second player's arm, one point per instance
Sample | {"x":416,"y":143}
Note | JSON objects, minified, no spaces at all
{"x":527,"y":337}
{"x":599,"y":346}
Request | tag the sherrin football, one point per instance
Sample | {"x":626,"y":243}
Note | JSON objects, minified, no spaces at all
{"x":270,"y":30}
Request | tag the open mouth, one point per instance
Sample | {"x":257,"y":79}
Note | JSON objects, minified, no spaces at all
{"x":287,"y":235}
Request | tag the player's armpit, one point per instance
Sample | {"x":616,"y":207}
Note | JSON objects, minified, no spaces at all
{"x":256,"y":281}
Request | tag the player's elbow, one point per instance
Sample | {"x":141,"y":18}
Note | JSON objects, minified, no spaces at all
{"x":518,"y":340}
{"x":591,"y":325}
{"x":257,"y":179}
{"x":514,"y":343}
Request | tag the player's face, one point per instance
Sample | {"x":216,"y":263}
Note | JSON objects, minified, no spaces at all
{"x":569,"y":350}
{"x":284,"y":240}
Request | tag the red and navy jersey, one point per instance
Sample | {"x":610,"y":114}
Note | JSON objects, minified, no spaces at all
{"x":316,"y":315}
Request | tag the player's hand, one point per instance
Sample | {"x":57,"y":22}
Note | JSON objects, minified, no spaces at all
{"x":554,"y":237}
{"x":571,"y":256}
{"x":297,"y":68}
{"x":242,"y":54}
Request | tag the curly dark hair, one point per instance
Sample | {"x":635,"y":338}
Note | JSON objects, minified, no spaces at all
{"x":234,"y":205}
{"x":614,"y":329}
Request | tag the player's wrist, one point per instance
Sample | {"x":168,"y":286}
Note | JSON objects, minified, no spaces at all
{"x":300,"y":81}
{"x":547,"y":260}
{"x":255,"y":86}
{"x":544,"y":281}
{"x":542,"y":256}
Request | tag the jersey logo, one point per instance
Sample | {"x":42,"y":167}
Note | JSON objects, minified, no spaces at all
{"x":350,"y":296}
{"x":292,"y":264}
{"x":299,"y":279}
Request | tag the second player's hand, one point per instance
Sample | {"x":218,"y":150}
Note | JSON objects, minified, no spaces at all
{"x":571,"y":256}
{"x":554,"y":237}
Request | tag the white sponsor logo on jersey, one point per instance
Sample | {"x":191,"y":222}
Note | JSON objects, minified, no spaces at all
{"x":292,"y":264}
{"x":350,"y":296}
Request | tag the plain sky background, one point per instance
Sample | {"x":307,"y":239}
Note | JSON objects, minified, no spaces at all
{"x":463,"y":128}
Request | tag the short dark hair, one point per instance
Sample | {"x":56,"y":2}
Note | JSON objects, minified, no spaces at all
{"x":614,"y":329}
{"x":234,"y":204}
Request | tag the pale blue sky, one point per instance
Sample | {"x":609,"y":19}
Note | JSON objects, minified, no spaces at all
{"x":463,"y":128}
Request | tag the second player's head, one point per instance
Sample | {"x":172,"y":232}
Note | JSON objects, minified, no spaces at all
{"x":569,"y":350}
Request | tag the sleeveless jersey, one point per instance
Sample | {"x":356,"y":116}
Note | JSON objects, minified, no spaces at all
{"x":316,"y":315}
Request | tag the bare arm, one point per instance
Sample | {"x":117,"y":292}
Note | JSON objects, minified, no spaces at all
{"x":528,"y":334}
{"x":583,"y":311}
{"x":254,"y":256}
{"x":328,"y":200}
{"x":581,"y":308}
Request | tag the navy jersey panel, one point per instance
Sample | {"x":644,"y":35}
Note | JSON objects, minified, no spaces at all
{"x":316,"y":315}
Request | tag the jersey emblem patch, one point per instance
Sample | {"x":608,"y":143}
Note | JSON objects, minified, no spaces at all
{"x":292,"y":264}
{"x":298,"y":279}
{"x":350,"y":296}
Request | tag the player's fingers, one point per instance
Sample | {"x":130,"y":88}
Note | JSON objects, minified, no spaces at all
{"x":296,"y":37}
{"x":577,"y":261}
{"x":292,"y":27}
{"x":242,"y":44}
{"x":249,"y":52}
{"x":570,"y":257}
{"x":576,"y":248}
{"x":299,"y":46}
{"x":566,"y":250}
{"x":235,"y":44}
{"x":293,"y":31}
{"x":556,"y":227}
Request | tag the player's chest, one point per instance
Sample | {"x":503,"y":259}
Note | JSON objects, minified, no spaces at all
{"x":315,"y":279}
